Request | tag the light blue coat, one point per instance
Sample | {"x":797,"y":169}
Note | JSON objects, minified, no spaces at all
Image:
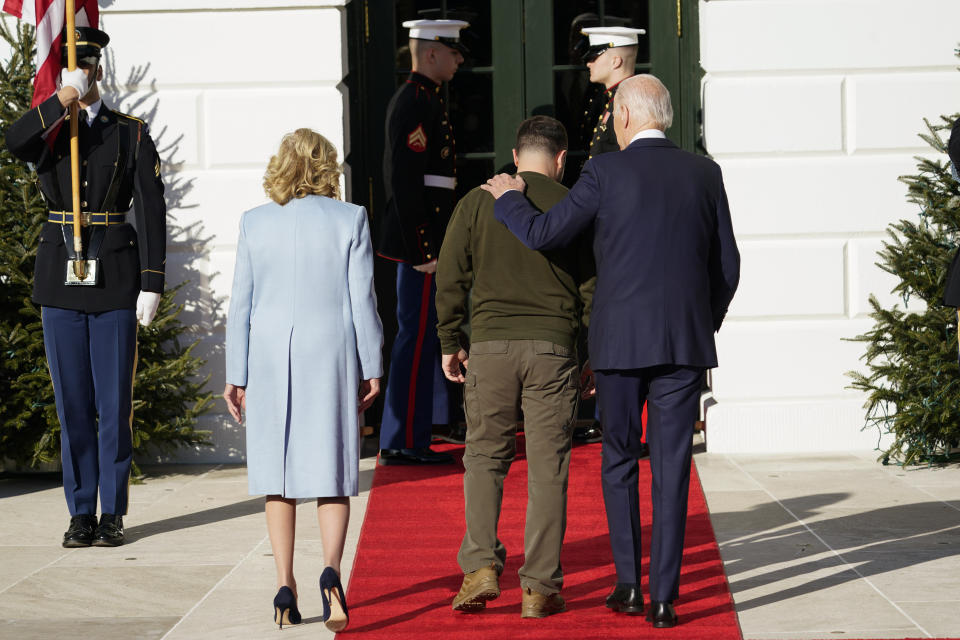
{"x":302,"y":332}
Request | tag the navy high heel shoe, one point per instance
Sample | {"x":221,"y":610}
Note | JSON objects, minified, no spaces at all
{"x":334,"y":602}
{"x":285,"y":608}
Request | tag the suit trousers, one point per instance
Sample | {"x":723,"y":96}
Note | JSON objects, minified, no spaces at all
{"x":92,"y":359}
{"x":506,"y":377}
{"x":416,"y":397}
{"x":672,"y":394}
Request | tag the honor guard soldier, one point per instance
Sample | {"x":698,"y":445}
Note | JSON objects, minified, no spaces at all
{"x":89,"y":318}
{"x":418,"y":168}
{"x":611,"y":58}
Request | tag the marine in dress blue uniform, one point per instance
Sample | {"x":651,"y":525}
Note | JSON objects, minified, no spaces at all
{"x":90,"y":330}
{"x":419,"y":176}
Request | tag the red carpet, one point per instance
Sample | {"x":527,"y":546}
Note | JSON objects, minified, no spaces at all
{"x":405,"y":574}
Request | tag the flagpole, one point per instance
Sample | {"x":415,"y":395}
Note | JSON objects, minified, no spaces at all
{"x":79,"y":266}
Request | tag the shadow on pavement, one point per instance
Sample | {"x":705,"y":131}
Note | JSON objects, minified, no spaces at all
{"x":196,"y":519}
{"x":18,"y":484}
{"x":873,"y":542}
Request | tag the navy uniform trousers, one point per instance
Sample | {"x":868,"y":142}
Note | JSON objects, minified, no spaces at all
{"x":417,"y":397}
{"x":92,"y":360}
{"x":672,"y":394}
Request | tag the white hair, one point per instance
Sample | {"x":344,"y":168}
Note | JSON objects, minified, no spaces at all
{"x":647,"y":100}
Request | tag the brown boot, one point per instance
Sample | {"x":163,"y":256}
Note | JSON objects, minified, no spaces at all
{"x":478,"y":587}
{"x":540,"y":605}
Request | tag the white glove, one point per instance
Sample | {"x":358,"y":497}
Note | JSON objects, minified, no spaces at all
{"x":147,"y":303}
{"x":76,"y":79}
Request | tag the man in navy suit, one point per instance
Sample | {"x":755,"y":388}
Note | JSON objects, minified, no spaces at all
{"x":667,"y":269}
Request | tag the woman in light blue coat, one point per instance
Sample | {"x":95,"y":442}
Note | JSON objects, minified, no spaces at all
{"x":304,"y":355}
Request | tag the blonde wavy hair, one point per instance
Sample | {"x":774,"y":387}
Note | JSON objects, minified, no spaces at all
{"x":306,"y":164}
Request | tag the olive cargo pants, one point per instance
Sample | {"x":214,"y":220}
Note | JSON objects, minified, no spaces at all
{"x":504,"y":377}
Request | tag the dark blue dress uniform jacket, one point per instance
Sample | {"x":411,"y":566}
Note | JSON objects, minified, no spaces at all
{"x":604,"y":139}
{"x":419,"y":142}
{"x":667,"y":260}
{"x":131,"y":259}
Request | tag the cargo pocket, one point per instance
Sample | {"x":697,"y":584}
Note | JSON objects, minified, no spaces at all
{"x":570,"y":402}
{"x":559,"y":381}
{"x":470,"y":400}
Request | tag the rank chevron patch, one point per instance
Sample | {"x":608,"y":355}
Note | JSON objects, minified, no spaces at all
{"x":417,"y":140}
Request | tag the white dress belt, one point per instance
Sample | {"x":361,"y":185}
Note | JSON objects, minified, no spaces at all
{"x":442,"y":182}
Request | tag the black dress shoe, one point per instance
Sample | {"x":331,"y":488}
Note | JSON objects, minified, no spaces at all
{"x":109,"y":532}
{"x":662,"y":615}
{"x":80,"y":531}
{"x":589,"y":433}
{"x":457,"y":433}
{"x":626,"y":598}
{"x":424,"y":455}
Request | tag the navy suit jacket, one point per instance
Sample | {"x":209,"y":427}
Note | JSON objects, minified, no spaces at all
{"x":667,"y":261}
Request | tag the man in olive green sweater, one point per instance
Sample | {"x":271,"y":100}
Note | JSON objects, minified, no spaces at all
{"x":525,"y":310}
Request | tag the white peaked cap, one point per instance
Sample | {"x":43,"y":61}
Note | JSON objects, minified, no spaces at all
{"x":612,"y":36}
{"x":435,"y":29}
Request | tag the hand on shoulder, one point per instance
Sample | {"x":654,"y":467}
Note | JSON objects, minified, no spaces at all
{"x":501,"y":183}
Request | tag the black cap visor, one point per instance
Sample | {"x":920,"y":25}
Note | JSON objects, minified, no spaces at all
{"x":592,"y":53}
{"x":88,"y":57}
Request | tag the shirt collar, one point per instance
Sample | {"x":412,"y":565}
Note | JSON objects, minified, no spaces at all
{"x":92,"y":111}
{"x":648,"y":133}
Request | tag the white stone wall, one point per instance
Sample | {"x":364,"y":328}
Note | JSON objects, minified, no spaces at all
{"x":812,"y":108}
{"x":220,"y":83}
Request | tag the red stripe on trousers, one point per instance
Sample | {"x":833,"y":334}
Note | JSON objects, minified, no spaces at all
{"x":421,"y":331}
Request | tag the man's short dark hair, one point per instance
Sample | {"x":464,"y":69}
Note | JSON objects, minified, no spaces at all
{"x":543,"y":133}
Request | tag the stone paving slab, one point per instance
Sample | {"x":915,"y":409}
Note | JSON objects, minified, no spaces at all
{"x":826,"y":546}
{"x":142,"y":628}
{"x":198,"y":563}
{"x":838,"y":545}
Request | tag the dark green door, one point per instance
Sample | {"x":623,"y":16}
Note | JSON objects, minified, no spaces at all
{"x":521,"y":64}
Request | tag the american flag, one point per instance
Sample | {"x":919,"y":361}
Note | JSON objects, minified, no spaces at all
{"x":49,"y":17}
